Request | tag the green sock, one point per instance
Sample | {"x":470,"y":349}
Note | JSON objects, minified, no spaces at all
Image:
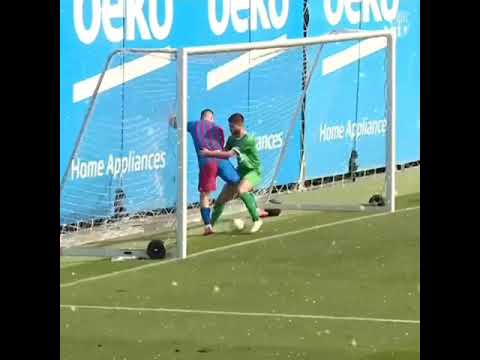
{"x":249,"y":201}
{"x":217,"y":211}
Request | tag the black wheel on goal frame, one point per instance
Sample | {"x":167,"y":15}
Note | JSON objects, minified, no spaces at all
{"x":156,"y":249}
{"x":273,"y":212}
{"x":377,"y":200}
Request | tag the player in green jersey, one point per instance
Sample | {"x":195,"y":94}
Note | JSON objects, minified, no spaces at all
{"x":244,"y":147}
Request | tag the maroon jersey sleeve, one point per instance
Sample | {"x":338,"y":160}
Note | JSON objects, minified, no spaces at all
{"x":221,"y":138}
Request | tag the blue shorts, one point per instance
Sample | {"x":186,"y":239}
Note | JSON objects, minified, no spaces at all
{"x":209,"y":171}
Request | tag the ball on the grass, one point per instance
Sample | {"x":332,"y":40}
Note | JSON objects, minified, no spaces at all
{"x":238,"y":224}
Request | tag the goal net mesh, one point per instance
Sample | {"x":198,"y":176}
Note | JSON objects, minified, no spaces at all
{"x":308,"y":107}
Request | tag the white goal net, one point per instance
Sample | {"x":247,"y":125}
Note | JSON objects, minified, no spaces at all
{"x":321,"y":110}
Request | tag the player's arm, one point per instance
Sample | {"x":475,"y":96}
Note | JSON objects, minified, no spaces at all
{"x":172,"y":121}
{"x":219,"y":154}
{"x":221,"y":139}
{"x":251,"y":152}
{"x":227,"y":153}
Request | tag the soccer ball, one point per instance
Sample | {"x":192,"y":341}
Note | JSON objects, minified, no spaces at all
{"x":238,"y":224}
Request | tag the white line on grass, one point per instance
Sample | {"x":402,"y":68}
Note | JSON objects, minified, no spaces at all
{"x":227,"y":247}
{"x":236,"y":313}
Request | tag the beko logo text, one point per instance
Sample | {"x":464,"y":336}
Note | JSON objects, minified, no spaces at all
{"x":126,"y":19}
{"x":378,"y":10}
{"x":106,"y":14}
{"x":247,"y":14}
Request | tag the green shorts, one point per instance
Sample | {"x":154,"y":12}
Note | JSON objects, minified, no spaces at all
{"x":253,"y":177}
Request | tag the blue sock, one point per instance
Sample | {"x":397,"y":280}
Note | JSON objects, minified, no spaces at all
{"x":206,"y":215}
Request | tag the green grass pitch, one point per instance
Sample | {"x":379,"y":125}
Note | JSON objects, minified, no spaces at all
{"x":307,"y":286}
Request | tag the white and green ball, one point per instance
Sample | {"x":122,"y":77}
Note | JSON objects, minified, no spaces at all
{"x":238,"y":224}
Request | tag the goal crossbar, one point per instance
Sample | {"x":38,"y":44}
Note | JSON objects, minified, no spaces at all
{"x":272,"y":44}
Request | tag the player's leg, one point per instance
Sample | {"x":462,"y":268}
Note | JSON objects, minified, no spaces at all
{"x":227,"y":173}
{"x":207,"y":184}
{"x":247,"y":184}
{"x":205,"y":211}
{"x":244,"y":192}
{"x":228,"y":193}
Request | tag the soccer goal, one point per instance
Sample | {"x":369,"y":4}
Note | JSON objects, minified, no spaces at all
{"x":322,"y":110}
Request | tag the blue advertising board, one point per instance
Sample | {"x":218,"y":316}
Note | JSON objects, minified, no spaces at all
{"x":333,"y":119}
{"x":129,"y":144}
{"x":91,"y":30}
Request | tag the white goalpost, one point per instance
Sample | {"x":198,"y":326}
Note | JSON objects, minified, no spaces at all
{"x":391,"y":120}
{"x":130,"y":171}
